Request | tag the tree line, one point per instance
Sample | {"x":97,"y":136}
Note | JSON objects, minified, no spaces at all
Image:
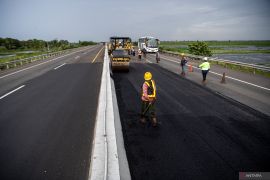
{"x":7,"y":44}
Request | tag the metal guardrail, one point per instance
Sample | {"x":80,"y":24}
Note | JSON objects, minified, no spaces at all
{"x":19,"y":62}
{"x":226,"y":62}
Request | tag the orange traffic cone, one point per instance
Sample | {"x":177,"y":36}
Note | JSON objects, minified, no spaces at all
{"x":190,"y":68}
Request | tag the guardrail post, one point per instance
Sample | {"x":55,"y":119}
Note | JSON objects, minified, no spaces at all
{"x":7,"y":66}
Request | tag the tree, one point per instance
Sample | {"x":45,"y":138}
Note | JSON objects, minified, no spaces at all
{"x":86,"y":43}
{"x":199,"y":48}
{"x":10,"y":43}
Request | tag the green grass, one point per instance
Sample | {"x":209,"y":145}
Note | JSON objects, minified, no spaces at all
{"x":174,"y":49}
{"x":19,"y":56}
{"x":176,"y":46}
{"x":217,"y":47}
{"x":219,"y":43}
{"x":224,"y":51}
{"x":241,"y":68}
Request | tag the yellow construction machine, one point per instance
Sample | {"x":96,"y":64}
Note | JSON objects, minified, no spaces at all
{"x":119,"y":51}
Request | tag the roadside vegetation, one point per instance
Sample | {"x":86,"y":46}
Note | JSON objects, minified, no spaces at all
{"x":13,"y":49}
{"x":199,"y":48}
{"x":208,"y":48}
{"x":219,"y":47}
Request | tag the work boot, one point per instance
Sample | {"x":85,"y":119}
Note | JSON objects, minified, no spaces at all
{"x":154,"y":122}
{"x":143,"y":121}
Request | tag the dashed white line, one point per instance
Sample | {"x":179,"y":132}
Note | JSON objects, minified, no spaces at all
{"x":148,"y":61}
{"x":40,"y":64}
{"x":11,"y":92}
{"x":59,"y":66}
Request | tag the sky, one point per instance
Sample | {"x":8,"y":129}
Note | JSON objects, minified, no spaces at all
{"x":97,"y":20}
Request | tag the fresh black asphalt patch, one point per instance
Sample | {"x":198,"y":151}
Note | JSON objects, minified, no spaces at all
{"x":201,"y":135}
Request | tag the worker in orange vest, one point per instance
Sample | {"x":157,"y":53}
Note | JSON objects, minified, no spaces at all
{"x":148,"y":99}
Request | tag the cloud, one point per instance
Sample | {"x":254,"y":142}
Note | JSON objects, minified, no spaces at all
{"x":166,"y":20}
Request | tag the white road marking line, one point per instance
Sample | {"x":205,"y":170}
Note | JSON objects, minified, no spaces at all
{"x":39,"y":64}
{"x":241,"y":81}
{"x":12,"y":91}
{"x":255,"y":85}
{"x":59,"y":66}
{"x":77,"y":57}
{"x":97,"y":55}
{"x":148,"y":61}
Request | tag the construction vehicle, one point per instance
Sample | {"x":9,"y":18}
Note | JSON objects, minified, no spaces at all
{"x":119,"y":50}
{"x":120,"y":59}
{"x":120,"y":42}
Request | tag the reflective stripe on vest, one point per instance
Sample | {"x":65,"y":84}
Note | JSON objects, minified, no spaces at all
{"x":154,"y":89}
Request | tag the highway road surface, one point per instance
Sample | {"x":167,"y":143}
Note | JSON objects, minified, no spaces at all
{"x":47,"y":116}
{"x":201,"y":135}
{"x":48,"y":112}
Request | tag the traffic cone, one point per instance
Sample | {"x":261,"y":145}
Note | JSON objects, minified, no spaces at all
{"x":223,"y":80}
{"x":190,"y":68}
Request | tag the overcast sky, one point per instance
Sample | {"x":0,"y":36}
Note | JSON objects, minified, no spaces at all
{"x":97,"y":20}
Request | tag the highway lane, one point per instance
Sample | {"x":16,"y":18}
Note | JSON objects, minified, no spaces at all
{"x":255,"y":97}
{"x":12,"y":78}
{"x":47,"y":126}
{"x":202,"y":135}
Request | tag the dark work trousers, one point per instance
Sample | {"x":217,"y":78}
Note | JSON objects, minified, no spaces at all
{"x":151,"y":110}
{"x":183,"y":69}
{"x":204,"y":73}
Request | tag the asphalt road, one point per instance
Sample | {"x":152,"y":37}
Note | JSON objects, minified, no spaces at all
{"x":201,"y":135}
{"x":250,"y":95}
{"x":47,"y":126}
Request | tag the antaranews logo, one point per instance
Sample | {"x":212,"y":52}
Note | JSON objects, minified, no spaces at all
{"x":254,"y":175}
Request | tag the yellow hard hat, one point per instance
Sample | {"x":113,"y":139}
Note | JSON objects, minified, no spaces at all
{"x":147,"y":76}
{"x":182,"y":54}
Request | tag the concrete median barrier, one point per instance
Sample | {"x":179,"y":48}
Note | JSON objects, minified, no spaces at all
{"x":108,"y":160}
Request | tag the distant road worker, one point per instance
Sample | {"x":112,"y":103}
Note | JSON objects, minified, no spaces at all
{"x":157,"y":57}
{"x":133,"y":51}
{"x":139,"y":54}
{"x":148,"y":99}
{"x":144,"y":54}
{"x":205,"y":67}
{"x":183,"y":63}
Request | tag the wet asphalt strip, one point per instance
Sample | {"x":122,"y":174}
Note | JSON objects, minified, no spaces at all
{"x":201,"y":135}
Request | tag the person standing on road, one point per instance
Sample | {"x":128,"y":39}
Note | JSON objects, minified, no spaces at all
{"x":148,"y":99}
{"x":183,"y":64}
{"x":205,"y":67}
{"x":144,"y":54}
{"x":157,"y":57}
{"x":139,"y":54}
